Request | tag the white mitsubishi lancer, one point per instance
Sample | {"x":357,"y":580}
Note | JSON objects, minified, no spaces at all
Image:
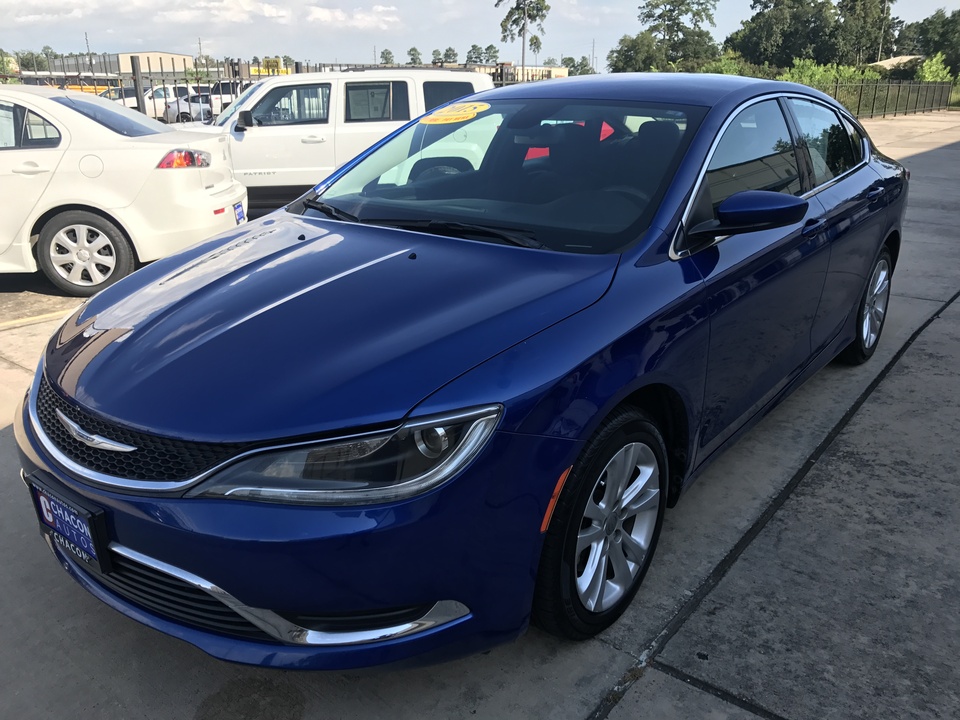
{"x":89,"y":189}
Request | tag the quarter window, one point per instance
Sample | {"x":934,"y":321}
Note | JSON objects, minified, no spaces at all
{"x":294,"y":105}
{"x":22,"y":128}
{"x":755,"y":153}
{"x":856,"y":140}
{"x":377,"y":101}
{"x":828,"y":142}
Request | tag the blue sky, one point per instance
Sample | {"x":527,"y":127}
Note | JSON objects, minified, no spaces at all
{"x":328,"y":31}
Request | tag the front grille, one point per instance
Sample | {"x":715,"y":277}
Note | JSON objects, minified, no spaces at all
{"x":175,"y":599}
{"x":156,"y":458}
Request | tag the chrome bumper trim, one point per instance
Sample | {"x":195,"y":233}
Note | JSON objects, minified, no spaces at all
{"x":441,"y":613}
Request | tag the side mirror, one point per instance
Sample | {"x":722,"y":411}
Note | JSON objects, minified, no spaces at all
{"x":751,"y":211}
{"x":244,"y":120}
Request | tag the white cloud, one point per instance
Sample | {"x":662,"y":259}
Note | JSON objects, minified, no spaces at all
{"x":50,"y":17}
{"x":380,"y":17}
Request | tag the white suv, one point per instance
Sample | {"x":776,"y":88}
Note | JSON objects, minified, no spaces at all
{"x":302,"y":127}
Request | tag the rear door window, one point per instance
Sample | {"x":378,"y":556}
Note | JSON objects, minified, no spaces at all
{"x":438,"y":93}
{"x":827,"y":140}
{"x":377,"y":101}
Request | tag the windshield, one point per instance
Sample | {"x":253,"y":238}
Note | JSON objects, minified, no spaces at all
{"x":118,"y":118}
{"x":567,"y":175}
{"x":224,"y":117}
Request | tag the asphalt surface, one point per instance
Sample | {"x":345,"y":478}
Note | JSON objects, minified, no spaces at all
{"x":811,"y":573}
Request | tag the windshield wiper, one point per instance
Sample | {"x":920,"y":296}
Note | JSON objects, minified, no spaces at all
{"x":329,"y":210}
{"x":522,"y":238}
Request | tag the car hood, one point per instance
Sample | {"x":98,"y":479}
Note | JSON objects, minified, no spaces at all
{"x":296,"y":326}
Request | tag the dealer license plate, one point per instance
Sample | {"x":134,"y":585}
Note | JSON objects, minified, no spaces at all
{"x":72,"y":529}
{"x":238,"y":211}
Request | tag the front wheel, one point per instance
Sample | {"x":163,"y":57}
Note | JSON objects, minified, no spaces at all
{"x":871,"y":313}
{"x":605,"y":528}
{"x":82,"y":253}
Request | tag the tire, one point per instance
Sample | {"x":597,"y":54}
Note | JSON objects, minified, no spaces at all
{"x":184,"y":117}
{"x":82,"y":253}
{"x":593,"y":538}
{"x":871,"y":312}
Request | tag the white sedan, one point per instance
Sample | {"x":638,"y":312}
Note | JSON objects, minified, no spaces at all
{"x":90,"y":188}
{"x":194,"y":107}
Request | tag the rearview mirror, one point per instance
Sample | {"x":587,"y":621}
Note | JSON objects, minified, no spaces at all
{"x":244,"y":120}
{"x":751,"y":211}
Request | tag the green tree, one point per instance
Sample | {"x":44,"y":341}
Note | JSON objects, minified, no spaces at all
{"x":521,"y":15}
{"x":636,"y":53}
{"x":782,"y":30}
{"x":437,"y":57}
{"x":678,"y":27}
{"x":475,"y":55}
{"x":32,"y":61}
{"x":50,"y":52}
{"x":255,"y":60}
{"x":386,"y":57}
{"x":491,"y":54}
{"x":861,"y":30}
{"x":940,"y":33}
{"x":578,"y":67}
{"x":933,"y":70}
{"x":450,"y":56}
{"x":551,"y":62}
{"x":203,"y":61}
{"x":288,"y":62}
{"x":415,"y":57}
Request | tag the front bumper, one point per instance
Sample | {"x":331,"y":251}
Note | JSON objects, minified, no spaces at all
{"x":466,"y":554}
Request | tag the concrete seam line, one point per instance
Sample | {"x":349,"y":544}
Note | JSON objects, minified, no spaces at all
{"x":615,"y":695}
{"x":23,"y":322}
{"x":718,"y":692}
{"x":720,"y":570}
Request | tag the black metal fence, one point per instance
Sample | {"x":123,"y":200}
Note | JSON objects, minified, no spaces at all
{"x":883,"y":98}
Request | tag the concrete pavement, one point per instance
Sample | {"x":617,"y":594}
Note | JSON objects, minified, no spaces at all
{"x":810,"y":573}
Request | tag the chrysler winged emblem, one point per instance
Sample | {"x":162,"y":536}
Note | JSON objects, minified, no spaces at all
{"x":94,"y":441}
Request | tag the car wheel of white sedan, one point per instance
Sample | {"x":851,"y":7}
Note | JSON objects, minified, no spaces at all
{"x":184,"y":117}
{"x":82,"y":253}
{"x":604,"y":529}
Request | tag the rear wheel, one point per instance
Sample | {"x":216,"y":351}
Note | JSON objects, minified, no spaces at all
{"x":605,"y":528}
{"x":82,"y":253}
{"x":871,"y":313}
{"x":184,"y":117}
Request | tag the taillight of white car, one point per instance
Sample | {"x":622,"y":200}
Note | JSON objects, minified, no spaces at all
{"x":185,"y":158}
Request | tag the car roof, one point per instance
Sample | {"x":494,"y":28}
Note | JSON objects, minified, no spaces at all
{"x":372,"y":73}
{"x":39,"y":90}
{"x":681,"y":88}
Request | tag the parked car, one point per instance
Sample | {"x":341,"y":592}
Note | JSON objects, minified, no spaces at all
{"x":91,"y":188}
{"x":192,"y":108}
{"x":301,"y":127}
{"x":127,"y":92}
{"x":444,"y":394}
{"x":155,"y":99}
{"x":222,"y":93}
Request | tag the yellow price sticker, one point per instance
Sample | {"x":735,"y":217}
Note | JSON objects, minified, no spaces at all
{"x":456,"y":113}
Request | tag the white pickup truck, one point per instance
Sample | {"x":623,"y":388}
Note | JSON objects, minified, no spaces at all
{"x":289,"y":132}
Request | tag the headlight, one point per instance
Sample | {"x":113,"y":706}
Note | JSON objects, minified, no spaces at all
{"x":421,"y":455}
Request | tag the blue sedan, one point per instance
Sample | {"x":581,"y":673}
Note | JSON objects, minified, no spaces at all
{"x":454,"y":388}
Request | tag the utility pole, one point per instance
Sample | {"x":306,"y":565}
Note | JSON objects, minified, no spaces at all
{"x":593,"y":55}
{"x":523,"y":49}
{"x":883,"y":27}
{"x":86,"y":39}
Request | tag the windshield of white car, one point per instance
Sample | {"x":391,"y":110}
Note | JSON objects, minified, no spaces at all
{"x":112,"y":116}
{"x":228,"y":112}
{"x":580,"y":176}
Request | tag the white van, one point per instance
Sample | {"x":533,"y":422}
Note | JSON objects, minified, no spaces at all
{"x":289,"y":132}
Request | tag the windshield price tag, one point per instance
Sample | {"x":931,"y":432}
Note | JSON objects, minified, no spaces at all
{"x":456,"y":113}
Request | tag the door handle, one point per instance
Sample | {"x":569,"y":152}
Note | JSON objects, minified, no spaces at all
{"x":29,"y":169}
{"x":813,"y":227}
{"x":312,"y":140}
{"x":875,"y":193}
